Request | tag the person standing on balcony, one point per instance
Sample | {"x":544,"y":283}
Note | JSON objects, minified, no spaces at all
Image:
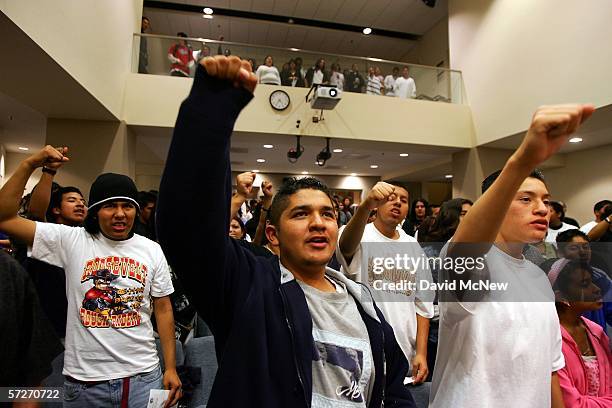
{"x":374,"y":84}
{"x":268,"y":73}
{"x":354,"y":80}
{"x":337,"y":77}
{"x":404,"y":86}
{"x":389,"y":82}
{"x":292,"y":76}
{"x":180,"y":56}
{"x":143,"y":55}
{"x":317,"y":75}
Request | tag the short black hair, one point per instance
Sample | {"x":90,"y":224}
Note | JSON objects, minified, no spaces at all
{"x":145,"y":18}
{"x":558,"y":207}
{"x":290,"y":186}
{"x":146,"y":197}
{"x":490,"y":179}
{"x":182,"y":34}
{"x":601,"y":204}
{"x":56,"y":199}
{"x":567,"y":236}
{"x":563,"y":282}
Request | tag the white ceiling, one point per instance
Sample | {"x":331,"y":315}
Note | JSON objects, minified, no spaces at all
{"x":356,"y":157}
{"x":409,"y":16}
{"x":20,"y":125}
{"x":597,"y":131}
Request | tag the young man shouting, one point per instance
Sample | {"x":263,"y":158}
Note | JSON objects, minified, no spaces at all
{"x":288,"y":331}
{"x":502,"y":348}
{"x":407,"y":309}
{"x":114,"y":278}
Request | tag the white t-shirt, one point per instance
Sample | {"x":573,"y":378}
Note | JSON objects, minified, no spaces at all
{"x":317,"y":77}
{"x":108,"y":330}
{"x":389,"y":82}
{"x":268,"y":75}
{"x":337,"y":78}
{"x":586,"y":228}
{"x":400,"y":306}
{"x":404,"y":88}
{"x":551,"y":235}
{"x":499,"y":353}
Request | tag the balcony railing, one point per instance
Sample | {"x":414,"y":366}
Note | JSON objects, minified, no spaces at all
{"x":151,"y":56}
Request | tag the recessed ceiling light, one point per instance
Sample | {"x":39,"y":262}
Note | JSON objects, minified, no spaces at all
{"x":367,"y":30}
{"x":449,"y":176}
{"x":268,"y":146}
{"x":208,"y":16}
{"x":403,"y":154}
{"x":304,"y":172}
{"x":261,"y":160}
{"x":353,"y":174}
{"x":575,"y":140}
{"x":25,"y":149}
{"x":373,"y":166}
{"x":337,"y":150}
{"x":207,"y":10}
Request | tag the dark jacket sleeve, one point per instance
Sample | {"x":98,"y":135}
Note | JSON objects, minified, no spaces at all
{"x":194,"y":202}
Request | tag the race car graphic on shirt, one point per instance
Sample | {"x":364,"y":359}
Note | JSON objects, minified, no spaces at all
{"x":105,"y":305}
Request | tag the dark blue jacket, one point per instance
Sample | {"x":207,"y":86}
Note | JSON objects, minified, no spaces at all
{"x":260,"y":320}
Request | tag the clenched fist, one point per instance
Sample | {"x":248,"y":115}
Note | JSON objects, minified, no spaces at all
{"x":232,"y":69}
{"x":550,"y":129}
{"x":244,"y":183}
{"x":48,"y":156}
{"x":380,"y":193}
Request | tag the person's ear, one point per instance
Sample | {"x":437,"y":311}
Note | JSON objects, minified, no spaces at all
{"x":272,"y":234}
{"x":56,"y":211}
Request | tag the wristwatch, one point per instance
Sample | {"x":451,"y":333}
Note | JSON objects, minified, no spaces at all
{"x":50,"y":171}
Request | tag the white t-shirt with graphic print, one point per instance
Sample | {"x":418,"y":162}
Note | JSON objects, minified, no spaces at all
{"x":109,"y":285}
{"x":401,"y":306}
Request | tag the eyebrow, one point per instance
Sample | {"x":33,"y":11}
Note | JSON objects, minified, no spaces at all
{"x":532,"y":193}
{"x":308,"y":207}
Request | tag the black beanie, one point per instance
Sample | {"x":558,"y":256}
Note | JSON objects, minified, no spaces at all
{"x":111,"y":186}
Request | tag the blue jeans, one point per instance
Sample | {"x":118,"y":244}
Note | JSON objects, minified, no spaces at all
{"x":108,"y":394}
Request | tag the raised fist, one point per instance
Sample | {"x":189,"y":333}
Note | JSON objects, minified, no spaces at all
{"x":233,"y":69}
{"x":380,"y":193}
{"x":266,"y":189}
{"x":49,"y":156}
{"x":244,"y":183}
{"x":550,"y":129}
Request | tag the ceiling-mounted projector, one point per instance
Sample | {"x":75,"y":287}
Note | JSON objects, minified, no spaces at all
{"x":325,"y":97}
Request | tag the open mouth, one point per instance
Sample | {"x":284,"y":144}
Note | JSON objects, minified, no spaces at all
{"x":318,"y":242}
{"x":395,"y":212}
{"x":119,"y":226}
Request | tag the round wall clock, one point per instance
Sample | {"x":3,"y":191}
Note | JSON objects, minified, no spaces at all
{"x":279,"y":100}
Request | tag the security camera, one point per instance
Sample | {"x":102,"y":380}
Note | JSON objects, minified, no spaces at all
{"x":294,"y":153}
{"x":324,"y":155}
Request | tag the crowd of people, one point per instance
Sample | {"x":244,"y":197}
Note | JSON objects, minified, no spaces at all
{"x":311,"y":298}
{"x":294,"y":73}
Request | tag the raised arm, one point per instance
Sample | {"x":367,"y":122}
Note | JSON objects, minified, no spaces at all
{"x":244,"y":186}
{"x":41,"y":194}
{"x":550,"y":128}
{"x":11,"y":193}
{"x":351,"y":236}
{"x":197,"y":173}
{"x":266,"y":202}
